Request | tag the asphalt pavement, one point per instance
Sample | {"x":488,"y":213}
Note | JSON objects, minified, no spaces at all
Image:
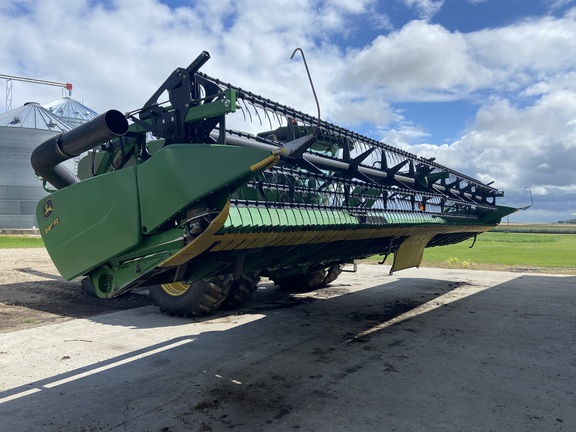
{"x":422,"y":350}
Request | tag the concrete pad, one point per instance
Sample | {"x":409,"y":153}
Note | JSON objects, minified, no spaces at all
{"x":423,"y":350}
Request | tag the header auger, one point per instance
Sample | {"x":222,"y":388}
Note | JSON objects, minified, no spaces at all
{"x":196,"y":210}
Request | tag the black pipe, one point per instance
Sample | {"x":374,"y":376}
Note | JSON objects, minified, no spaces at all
{"x":46,"y":158}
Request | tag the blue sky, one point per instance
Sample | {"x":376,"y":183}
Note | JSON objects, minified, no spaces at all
{"x":463,"y":16}
{"x":485,"y":86}
{"x":444,"y":121}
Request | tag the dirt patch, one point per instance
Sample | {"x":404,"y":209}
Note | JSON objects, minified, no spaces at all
{"x":32,"y":293}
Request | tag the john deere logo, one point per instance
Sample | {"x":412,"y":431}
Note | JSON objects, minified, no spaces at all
{"x":48,"y":209}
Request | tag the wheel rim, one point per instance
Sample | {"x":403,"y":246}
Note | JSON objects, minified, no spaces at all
{"x":175,"y":288}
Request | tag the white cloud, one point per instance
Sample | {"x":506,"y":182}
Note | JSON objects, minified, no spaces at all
{"x":524,"y":133}
{"x":531,"y":147}
{"x":521,"y":76}
{"x":515,"y":145}
{"x":421,"y":61}
{"x":426,"y":62}
{"x":426,"y":8}
{"x":354,"y":7}
{"x":559,"y":4}
{"x":535,"y":45}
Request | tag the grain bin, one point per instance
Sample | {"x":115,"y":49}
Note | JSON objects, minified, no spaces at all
{"x":21,"y":131}
{"x":71,"y":111}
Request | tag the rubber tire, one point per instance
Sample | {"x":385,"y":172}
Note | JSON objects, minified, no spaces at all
{"x":201,"y":297}
{"x":241,"y":291}
{"x":302,"y":282}
{"x":332,"y":273}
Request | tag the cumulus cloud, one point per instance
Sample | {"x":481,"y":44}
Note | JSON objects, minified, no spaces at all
{"x":420,"y":62}
{"x":116,"y":53}
{"x":520,"y":76}
{"x":426,"y":62}
{"x":524,"y":133}
{"x":531,"y":147}
{"x":426,"y":8}
{"x":535,"y":45}
{"x":559,"y":4}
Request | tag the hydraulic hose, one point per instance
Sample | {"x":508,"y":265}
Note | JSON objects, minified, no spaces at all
{"x":48,"y":156}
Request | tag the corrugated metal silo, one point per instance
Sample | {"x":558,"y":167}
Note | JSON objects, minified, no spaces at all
{"x":71,"y":111}
{"x":21,"y":131}
{"x":74,"y":113}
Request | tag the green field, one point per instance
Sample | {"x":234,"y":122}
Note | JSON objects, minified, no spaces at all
{"x":547,"y":248}
{"x":536,"y":228}
{"x":509,"y":251}
{"x":20,"y":241}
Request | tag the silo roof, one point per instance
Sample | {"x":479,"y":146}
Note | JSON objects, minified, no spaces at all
{"x":33,"y":116}
{"x":70,"y":109}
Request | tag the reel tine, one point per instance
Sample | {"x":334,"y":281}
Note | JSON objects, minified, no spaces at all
{"x":269,"y":120}
{"x":247,"y":110}
{"x":257,"y":112}
{"x":279,"y":120}
{"x":243,"y":112}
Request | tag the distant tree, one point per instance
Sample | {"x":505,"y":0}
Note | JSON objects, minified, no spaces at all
{"x":567,"y":221}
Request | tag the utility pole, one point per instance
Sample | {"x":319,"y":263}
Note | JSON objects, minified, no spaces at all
{"x":10,"y":78}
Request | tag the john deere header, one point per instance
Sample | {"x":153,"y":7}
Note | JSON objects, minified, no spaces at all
{"x":171,"y":198}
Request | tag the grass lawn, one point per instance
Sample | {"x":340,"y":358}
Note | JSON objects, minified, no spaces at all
{"x":9,"y":241}
{"x":552,"y":253}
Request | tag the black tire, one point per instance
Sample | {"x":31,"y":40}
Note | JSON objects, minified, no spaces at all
{"x":332,"y":273}
{"x":197,"y":298}
{"x":302,"y":282}
{"x":241,"y":291}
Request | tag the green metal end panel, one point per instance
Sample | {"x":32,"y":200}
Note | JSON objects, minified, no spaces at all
{"x":495,"y":217}
{"x":182,"y":174}
{"x":90,"y":222}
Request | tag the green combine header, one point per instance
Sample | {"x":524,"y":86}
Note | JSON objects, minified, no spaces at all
{"x":172,"y":198}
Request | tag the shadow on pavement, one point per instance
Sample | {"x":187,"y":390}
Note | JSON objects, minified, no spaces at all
{"x":411,"y":354}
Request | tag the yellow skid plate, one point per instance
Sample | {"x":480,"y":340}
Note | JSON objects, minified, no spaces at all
{"x":410,"y":252}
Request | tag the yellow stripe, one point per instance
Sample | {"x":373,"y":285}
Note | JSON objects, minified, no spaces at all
{"x":265,"y":163}
{"x":200,"y":243}
{"x":290,"y":238}
{"x":241,"y":241}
